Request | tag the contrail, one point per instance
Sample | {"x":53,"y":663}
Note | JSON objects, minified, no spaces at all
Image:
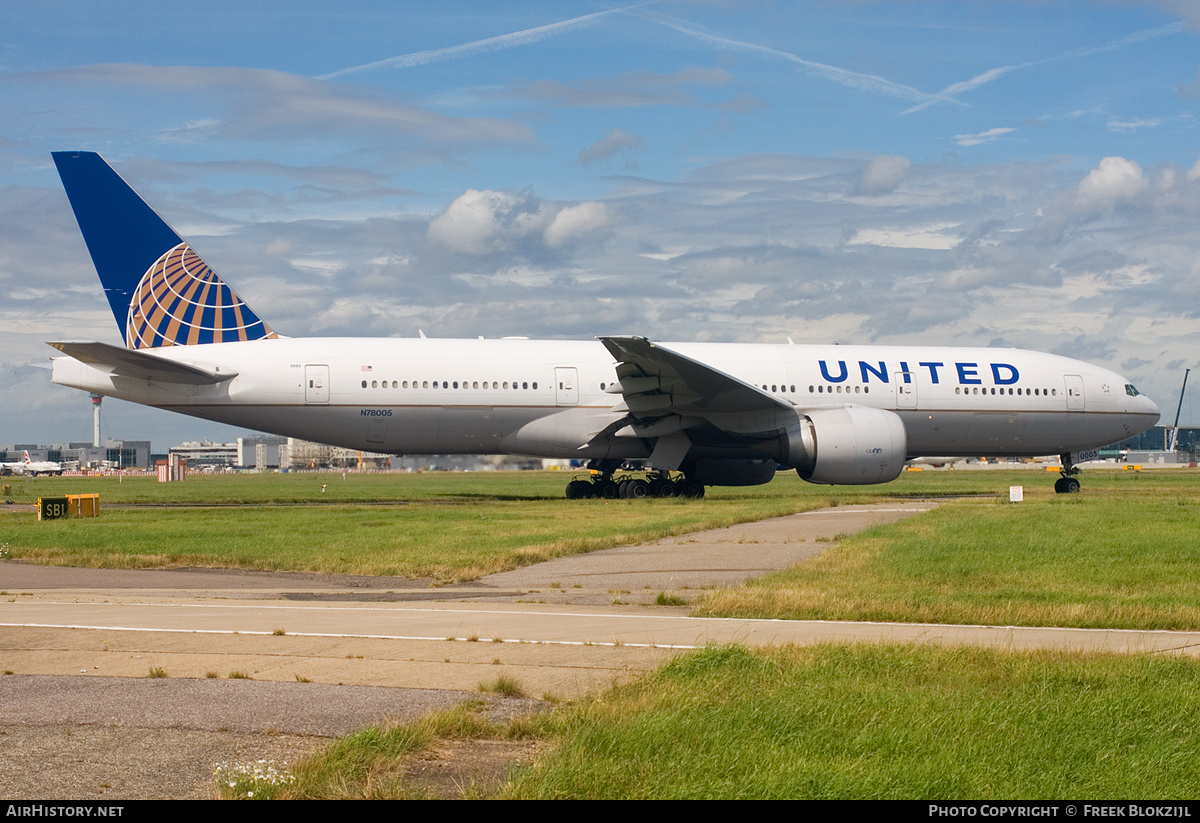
{"x":947,"y":94}
{"x":845,"y":77}
{"x":501,"y":41}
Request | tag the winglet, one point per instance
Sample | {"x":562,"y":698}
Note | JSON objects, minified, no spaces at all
{"x":160,"y":291}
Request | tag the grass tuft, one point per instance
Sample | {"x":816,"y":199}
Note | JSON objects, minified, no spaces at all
{"x":503,"y":685}
{"x":369,"y":764}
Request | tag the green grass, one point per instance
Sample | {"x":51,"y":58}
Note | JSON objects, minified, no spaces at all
{"x":1123,"y":554}
{"x":882,"y":722}
{"x":446,"y":526}
{"x":503,"y":685}
{"x":828,"y":722}
{"x":368,"y":764}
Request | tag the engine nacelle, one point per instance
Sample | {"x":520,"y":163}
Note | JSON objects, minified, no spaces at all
{"x":851,"y":446}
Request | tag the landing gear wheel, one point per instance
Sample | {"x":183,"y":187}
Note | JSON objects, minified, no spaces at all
{"x":579,"y":490}
{"x":606,"y":489}
{"x":1066,"y":485}
{"x":691,"y":489}
{"x":635,"y":489}
{"x":662,"y":488}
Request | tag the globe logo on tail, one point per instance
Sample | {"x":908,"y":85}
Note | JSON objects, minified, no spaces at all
{"x":181,"y":301}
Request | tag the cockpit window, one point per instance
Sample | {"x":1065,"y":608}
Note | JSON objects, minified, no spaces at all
{"x":1131,"y":391}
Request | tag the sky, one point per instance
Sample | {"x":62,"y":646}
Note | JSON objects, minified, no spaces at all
{"x":1015,"y":173}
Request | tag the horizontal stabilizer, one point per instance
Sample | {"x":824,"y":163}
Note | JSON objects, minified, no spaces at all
{"x":140,"y":364}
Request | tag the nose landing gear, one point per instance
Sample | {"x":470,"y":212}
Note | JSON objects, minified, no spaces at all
{"x":1067,"y":483}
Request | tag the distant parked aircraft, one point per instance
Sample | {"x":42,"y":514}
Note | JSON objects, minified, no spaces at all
{"x":31,"y":467}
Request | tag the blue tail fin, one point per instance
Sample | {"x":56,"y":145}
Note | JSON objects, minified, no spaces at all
{"x":160,"y":291}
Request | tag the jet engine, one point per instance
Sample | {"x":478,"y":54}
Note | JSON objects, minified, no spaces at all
{"x":852,"y":445}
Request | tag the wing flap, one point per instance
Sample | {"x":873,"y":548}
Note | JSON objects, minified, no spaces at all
{"x":138,"y":363}
{"x":656,"y":381}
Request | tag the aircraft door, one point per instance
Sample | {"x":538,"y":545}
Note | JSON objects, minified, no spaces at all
{"x":1075,"y":399}
{"x":316,"y":385}
{"x":566,"y":386}
{"x":906,"y":393}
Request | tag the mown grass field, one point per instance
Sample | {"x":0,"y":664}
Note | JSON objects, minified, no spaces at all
{"x":825,"y":722}
{"x":447,"y":526}
{"x":1124,"y":553}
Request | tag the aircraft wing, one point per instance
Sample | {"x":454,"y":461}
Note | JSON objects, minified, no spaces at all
{"x":140,"y":364}
{"x":665,"y":391}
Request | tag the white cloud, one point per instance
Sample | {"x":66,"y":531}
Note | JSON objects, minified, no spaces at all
{"x":1129,"y":125}
{"x":477,"y":222}
{"x":1114,"y":180}
{"x":882,"y":174}
{"x":469,"y":223}
{"x":573,"y":222}
{"x":988,"y":136}
{"x":929,"y":237}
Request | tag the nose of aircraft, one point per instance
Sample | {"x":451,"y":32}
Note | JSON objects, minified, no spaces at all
{"x":1148,"y":406}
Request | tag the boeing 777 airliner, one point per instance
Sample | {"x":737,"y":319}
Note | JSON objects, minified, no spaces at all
{"x":696,"y":414}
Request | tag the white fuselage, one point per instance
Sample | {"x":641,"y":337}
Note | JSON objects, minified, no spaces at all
{"x":549,"y":398}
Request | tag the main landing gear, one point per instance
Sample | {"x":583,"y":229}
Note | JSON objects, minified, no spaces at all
{"x":1067,"y":484}
{"x":605,"y":486}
